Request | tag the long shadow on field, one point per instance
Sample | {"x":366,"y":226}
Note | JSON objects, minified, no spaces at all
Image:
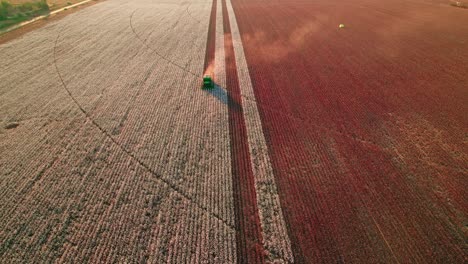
{"x":219,"y":93}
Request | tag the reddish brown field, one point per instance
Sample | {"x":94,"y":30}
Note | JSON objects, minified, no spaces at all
{"x":366,"y":125}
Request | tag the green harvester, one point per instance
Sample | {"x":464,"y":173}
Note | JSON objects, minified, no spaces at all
{"x":208,"y":82}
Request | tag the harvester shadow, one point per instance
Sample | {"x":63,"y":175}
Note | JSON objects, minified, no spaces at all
{"x":219,"y":93}
{"x":223,"y":96}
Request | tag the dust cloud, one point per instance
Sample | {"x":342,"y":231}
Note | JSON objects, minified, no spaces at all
{"x":275,"y":50}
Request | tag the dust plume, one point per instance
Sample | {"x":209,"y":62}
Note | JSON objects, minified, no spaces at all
{"x":277,"y":49}
{"x":209,"y":70}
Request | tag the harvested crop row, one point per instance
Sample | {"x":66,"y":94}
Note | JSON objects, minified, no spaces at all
{"x":248,"y":229}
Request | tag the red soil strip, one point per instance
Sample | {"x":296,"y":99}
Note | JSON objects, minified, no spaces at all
{"x":248,"y":231}
{"x":210,"y":44}
{"x":364,"y":126}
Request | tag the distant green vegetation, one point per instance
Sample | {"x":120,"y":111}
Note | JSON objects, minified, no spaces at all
{"x":14,"y":14}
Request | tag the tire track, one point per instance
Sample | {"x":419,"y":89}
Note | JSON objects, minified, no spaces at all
{"x":159,"y":54}
{"x":128,"y":152}
{"x":249,"y":235}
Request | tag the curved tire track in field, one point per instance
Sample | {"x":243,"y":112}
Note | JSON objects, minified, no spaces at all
{"x":190,"y":15}
{"x":156,"y":52}
{"x":125,"y":150}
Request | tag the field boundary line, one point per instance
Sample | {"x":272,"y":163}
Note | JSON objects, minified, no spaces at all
{"x":274,"y":231}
